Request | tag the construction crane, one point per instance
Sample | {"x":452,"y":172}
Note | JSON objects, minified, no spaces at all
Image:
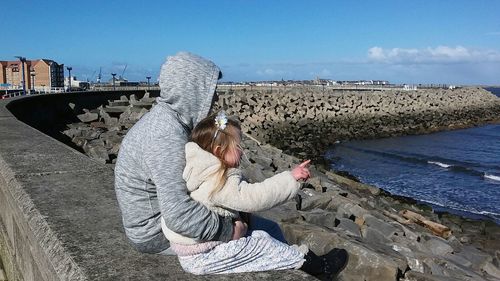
{"x":92,"y":77}
{"x":123,"y":72}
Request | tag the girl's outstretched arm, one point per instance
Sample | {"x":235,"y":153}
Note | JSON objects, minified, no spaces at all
{"x":242,"y":196}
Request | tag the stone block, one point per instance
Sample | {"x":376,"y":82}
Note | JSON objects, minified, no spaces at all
{"x":72,"y":132}
{"x":281,"y":164}
{"x":458,"y":272}
{"x":88,"y":117}
{"x":313,"y":200}
{"x":492,"y":270}
{"x":147,"y":99}
{"x":418,"y":276}
{"x":413,"y":257}
{"x":459,"y":260}
{"x":253,"y":172}
{"x":115,"y":111}
{"x":438,"y":246}
{"x":383,"y":227}
{"x":478,"y":258}
{"x":351,"y":210}
{"x":111,"y":121}
{"x":316,"y":183}
{"x":283,"y":213}
{"x":124,"y":103}
{"x":142,"y":104}
{"x":365,"y":263}
{"x":262,"y":160}
{"x":96,"y":150}
{"x":349,"y":227}
{"x":373,"y":236}
{"x":135,"y":116}
{"x":337,"y":201}
{"x":320,"y":217}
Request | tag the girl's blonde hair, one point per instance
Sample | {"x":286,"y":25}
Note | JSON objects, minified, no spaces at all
{"x":208,"y":136}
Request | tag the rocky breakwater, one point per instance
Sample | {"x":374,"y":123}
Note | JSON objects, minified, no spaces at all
{"x":102,"y":129}
{"x":388,"y":238}
{"x":298,"y":121}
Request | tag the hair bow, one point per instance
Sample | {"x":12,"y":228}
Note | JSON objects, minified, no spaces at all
{"x":220,"y":122}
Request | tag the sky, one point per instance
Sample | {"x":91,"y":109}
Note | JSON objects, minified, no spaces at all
{"x":426,"y":41}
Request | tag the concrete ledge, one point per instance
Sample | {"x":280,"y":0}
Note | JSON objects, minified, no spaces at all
{"x":59,"y":219}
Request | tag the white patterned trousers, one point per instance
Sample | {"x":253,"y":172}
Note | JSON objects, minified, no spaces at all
{"x":258,"y":252}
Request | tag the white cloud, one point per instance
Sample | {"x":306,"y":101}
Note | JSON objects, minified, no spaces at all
{"x":270,"y":72}
{"x":324,"y":73}
{"x":376,"y":53}
{"x":440,"y":54}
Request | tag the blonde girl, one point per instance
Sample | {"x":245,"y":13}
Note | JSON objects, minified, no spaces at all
{"x":213,"y":178}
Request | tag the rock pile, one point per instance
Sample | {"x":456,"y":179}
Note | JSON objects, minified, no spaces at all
{"x":101,"y":130}
{"x":331,"y":211}
{"x":311,"y":121}
{"x":384,"y":245}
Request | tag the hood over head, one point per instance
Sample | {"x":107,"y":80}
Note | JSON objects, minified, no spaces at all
{"x":187,"y":83}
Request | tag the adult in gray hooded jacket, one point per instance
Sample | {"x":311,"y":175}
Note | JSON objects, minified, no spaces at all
{"x":148,"y":171}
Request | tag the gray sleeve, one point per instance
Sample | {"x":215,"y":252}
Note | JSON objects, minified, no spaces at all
{"x":165,"y":159}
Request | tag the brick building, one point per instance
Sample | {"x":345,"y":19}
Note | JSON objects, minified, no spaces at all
{"x":48,"y":74}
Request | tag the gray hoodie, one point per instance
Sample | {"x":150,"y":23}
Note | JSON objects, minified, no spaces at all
{"x":148,"y":171}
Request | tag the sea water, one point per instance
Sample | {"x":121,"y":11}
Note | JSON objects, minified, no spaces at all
{"x":456,"y":171}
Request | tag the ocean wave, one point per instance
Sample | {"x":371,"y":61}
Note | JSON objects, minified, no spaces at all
{"x":465,"y":170}
{"x":432,"y":202}
{"x":492,"y":177}
{"x":486,"y":213}
{"x":422,"y":159}
{"x":439,"y":164}
{"x":478,"y":170}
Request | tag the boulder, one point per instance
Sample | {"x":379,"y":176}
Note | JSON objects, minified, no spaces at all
{"x":313,"y":200}
{"x":320,"y":217}
{"x":349,"y":227}
{"x":418,"y":276}
{"x":282,"y":213}
{"x":88,"y":117}
{"x":388,"y":230}
{"x":253,"y":172}
{"x":95,"y":149}
{"x":364,"y":263}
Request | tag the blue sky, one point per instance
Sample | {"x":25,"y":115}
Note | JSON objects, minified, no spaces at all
{"x":453,"y":42}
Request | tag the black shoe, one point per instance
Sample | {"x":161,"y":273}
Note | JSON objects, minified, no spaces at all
{"x":335,"y":261}
{"x":325,"y":267}
{"x":313,"y":264}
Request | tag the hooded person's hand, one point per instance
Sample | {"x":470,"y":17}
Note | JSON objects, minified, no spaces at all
{"x":239,"y":229}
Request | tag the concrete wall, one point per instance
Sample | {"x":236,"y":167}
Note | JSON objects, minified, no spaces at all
{"x":312,"y":121}
{"x":59,"y":219}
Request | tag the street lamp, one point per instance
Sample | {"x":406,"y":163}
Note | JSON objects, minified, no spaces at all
{"x":23,"y":61}
{"x":33,"y":81}
{"x":148,"y":77}
{"x":69,"y":68}
{"x":113,"y":74}
{"x":114,"y":78}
